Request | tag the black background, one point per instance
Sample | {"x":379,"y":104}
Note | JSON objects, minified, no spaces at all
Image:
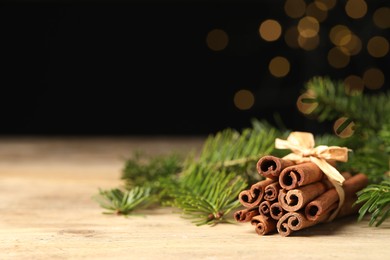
{"x":143,"y":67}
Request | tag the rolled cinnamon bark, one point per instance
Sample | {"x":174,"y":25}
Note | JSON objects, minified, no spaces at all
{"x":300,"y":175}
{"x":294,"y":200}
{"x":263,"y":225}
{"x":270,"y":166}
{"x":276,"y":211}
{"x":271,"y":191}
{"x":252,"y":197}
{"x":294,"y":221}
{"x":329,"y":200}
{"x":246,"y":215}
{"x":264,"y":209}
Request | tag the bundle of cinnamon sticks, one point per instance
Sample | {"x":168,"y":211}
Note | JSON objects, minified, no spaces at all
{"x":294,"y":196}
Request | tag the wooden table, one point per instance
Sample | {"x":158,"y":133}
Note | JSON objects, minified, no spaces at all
{"x":47,"y":211}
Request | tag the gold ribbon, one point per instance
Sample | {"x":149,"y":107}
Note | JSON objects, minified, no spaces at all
{"x":302,"y":145}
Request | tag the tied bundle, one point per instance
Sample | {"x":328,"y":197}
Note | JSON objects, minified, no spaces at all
{"x":301,"y":189}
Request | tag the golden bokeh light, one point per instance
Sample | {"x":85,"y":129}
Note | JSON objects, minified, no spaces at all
{"x":270,"y":30}
{"x":291,"y":37}
{"x":373,"y":78}
{"x":354,"y":46}
{"x":309,"y":44}
{"x":344,"y":127}
{"x":338,"y":58}
{"x":354,"y":85}
{"x":356,"y":8}
{"x":244,"y":99}
{"x":217,"y":40}
{"x":378,"y":46}
{"x":340,"y":35}
{"x":295,"y":8}
{"x":308,"y":27}
{"x":325,"y":4}
{"x":306,"y":103}
{"x":314,"y":11}
{"x":279,"y":66}
{"x":381,"y":17}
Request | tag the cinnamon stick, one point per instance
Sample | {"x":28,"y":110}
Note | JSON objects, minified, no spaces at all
{"x":252,"y":197}
{"x":294,"y":221}
{"x":270,"y":166}
{"x":276,"y":211}
{"x":300,"y":175}
{"x":246,"y":215}
{"x":264,"y":209}
{"x":263,"y":225}
{"x":295,"y":199}
{"x":329,"y":200}
{"x":271,"y":191}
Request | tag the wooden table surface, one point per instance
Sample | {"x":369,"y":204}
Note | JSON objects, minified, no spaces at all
{"x":47,"y":211}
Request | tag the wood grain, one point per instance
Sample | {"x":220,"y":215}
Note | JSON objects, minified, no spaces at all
{"x":47,"y":212}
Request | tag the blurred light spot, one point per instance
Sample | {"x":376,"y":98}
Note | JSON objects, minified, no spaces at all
{"x":344,"y":127}
{"x":373,"y":78}
{"x":314,"y":11}
{"x":244,"y":99}
{"x":308,"y":27}
{"x":295,"y":8}
{"x":338,"y":58}
{"x":306,"y":103}
{"x":309,"y":44}
{"x":354,"y":85}
{"x":354,"y":46}
{"x":217,"y":40}
{"x":279,"y":66}
{"x":382,"y":17}
{"x":270,"y":30}
{"x":325,"y":4}
{"x":378,"y":46}
{"x":340,"y":35}
{"x":356,"y":8}
{"x":291,"y":37}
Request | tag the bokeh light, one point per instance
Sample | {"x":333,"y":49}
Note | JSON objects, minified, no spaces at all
{"x":217,"y":39}
{"x":270,"y":30}
{"x":295,"y":8}
{"x":340,"y":35}
{"x":378,"y":46}
{"x":308,"y":27}
{"x":244,"y":99}
{"x":381,"y":17}
{"x":306,"y":103}
{"x":291,"y":37}
{"x":279,"y":66}
{"x":314,"y":11}
{"x":344,"y":127}
{"x":356,"y":8}
{"x":354,"y":85}
{"x":373,"y":78}
{"x":309,"y":44}
{"x":338,"y":58}
{"x":325,"y":4}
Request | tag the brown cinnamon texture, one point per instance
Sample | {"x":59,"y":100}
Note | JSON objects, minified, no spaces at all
{"x":270,"y":166}
{"x":276,"y":211}
{"x":300,"y":175}
{"x":252,"y":197}
{"x":245,"y":215}
{"x":271,"y":191}
{"x":294,"y":200}
{"x":263,"y":225}
{"x":294,"y":221}
{"x":329,"y":200}
{"x":265,"y":209}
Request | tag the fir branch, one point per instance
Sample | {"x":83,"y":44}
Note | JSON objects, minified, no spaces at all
{"x":376,"y":199}
{"x":207,"y":196}
{"x":121,"y":202}
{"x":369,"y":111}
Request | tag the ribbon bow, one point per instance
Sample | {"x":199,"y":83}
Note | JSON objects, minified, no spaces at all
{"x":302,"y":145}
